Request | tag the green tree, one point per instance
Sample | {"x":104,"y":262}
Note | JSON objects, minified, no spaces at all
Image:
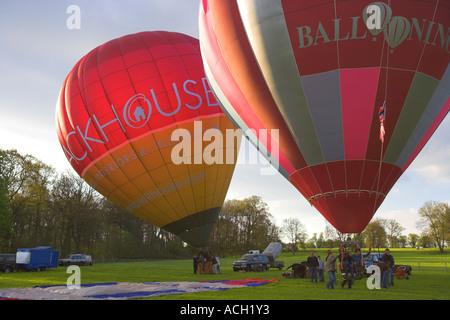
{"x":425,"y":240}
{"x":333,"y":237}
{"x":393,"y":232}
{"x":6,"y":218}
{"x":77,"y":213}
{"x":243,"y":225}
{"x":413,"y":239}
{"x":27,"y":181}
{"x":402,"y":241}
{"x":294,"y":231}
{"x":435,"y":221}
{"x":374,"y":235}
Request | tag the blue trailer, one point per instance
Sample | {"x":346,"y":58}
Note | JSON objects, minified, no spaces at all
{"x":39,"y":258}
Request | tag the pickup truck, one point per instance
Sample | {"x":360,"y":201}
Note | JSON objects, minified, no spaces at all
{"x":76,"y":259}
{"x":7,"y":262}
{"x":252,"y":262}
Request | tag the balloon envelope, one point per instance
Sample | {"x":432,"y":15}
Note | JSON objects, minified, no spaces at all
{"x":116,"y":117}
{"x":320,"y":73}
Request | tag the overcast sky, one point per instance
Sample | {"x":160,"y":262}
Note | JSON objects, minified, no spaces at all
{"x":37,"y":51}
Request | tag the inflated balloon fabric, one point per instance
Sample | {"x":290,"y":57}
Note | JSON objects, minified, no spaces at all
{"x":116,"y":117}
{"x":319,"y":72}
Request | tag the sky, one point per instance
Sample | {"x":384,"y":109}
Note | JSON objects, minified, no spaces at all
{"x":38,"y":50}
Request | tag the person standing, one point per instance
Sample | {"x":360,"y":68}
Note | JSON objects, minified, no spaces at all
{"x":330,"y":268}
{"x":195,"y":262}
{"x":384,"y":273}
{"x":388,"y":259}
{"x":312,"y":264}
{"x":346,"y":265}
{"x":214,"y":263}
{"x":218,"y":265}
{"x":320,"y":268}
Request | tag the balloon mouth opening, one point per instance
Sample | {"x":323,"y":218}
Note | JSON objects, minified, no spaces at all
{"x":349,"y":211}
{"x":196,"y":228}
{"x":351,"y":193}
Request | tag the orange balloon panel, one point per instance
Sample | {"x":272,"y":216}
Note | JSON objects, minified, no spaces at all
{"x":137,"y":120}
{"x":141,"y":177}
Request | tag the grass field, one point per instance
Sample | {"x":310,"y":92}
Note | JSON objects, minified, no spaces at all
{"x":430,"y":279}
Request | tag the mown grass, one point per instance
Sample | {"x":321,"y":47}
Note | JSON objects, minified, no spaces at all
{"x":430,"y":283}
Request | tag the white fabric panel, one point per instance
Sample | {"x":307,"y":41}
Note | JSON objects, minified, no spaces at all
{"x":227,"y":107}
{"x":267,"y":33}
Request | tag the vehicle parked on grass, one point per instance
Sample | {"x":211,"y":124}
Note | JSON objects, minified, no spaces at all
{"x":273,"y":251}
{"x":76,"y":259}
{"x":373,"y":257}
{"x":255,"y":261}
{"x":252,"y":262}
{"x":7,"y":263}
{"x":37,"y":259}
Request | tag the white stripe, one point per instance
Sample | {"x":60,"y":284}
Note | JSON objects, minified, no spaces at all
{"x":248,"y":132}
{"x":267,"y":33}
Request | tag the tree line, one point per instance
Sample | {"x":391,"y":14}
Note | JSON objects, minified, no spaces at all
{"x":39,"y":206}
{"x":434,"y":222}
{"x":42,"y":207}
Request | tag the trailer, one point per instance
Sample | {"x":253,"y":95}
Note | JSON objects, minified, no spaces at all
{"x":273,"y":251}
{"x":38,"y":259}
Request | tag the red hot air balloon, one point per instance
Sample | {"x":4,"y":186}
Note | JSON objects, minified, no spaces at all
{"x":116,"y":116}
{"x":319,"y":71}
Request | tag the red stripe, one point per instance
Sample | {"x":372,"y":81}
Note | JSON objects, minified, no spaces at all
{"x":358,"y":90}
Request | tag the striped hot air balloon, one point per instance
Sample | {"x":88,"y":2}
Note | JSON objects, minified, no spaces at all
{"x":319,"y":71}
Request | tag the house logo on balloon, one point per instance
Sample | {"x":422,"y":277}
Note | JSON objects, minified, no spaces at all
{"x":134,"y":113}
{"x":139,"y":113}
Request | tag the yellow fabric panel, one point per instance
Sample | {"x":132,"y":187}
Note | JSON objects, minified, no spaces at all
{"x":148,"y":152}
{"x":141,"y":177}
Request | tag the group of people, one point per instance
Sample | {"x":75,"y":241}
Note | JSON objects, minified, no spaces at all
{"x":348,"y":263}
{"x":203,"y":259}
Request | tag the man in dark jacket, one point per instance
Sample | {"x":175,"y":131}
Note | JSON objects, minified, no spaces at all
{"x":312,"y":264}
{"x":389,"y":261}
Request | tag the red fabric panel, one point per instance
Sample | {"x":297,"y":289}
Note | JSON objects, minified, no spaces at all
{"x":318,"y":54}
{"x":91,"y":116}
{"x":322,"y":177}
{"x":337,"y":174}
{"x":358,"y":89}
{"x":351,"y":212}
{"x":356,"y":193}
{"x":395,"y":95}
{"x":369,"y":174}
